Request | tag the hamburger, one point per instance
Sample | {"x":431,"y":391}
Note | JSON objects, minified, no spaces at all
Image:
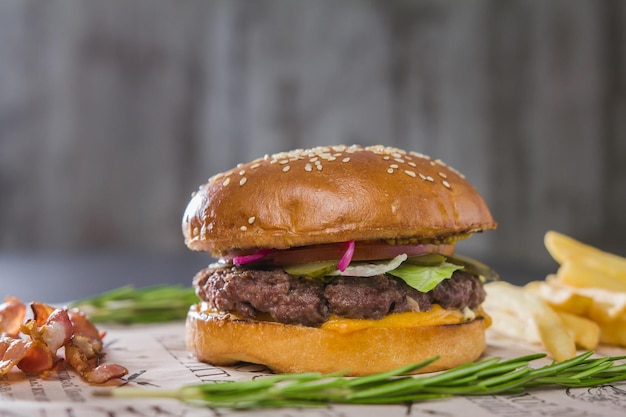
{"x":337,"y":258}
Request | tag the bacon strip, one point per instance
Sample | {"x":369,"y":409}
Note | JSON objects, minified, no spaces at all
{"x":84,"y":352}
{"x":46,"y":338}
{"x":11,"y":351}
{"x":12,"y":314}
{"x":83,"y":355}
{"x":83,"y":327}
{"x":49,"y":330}
{"x":58,"y":329}
{"x":39,"y":359}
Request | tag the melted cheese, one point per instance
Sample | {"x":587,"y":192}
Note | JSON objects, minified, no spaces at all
{"x":434,"y":317}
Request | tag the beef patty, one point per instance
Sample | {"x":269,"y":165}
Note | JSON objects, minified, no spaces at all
{"x":310,"y":301}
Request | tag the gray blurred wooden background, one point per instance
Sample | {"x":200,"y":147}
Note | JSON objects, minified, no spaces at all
{"x":112,"y":112}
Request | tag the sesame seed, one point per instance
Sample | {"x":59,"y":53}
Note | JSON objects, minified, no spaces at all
{"x":251,"y":219}
{"x":196,"y":230}
{"x":457,"y":172}
{"x":243,"y":228}
{"x":313,"y":158}
{"x":419,"y":155}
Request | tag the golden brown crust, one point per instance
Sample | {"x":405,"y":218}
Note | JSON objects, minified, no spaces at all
{"x":222,"y":340}
{"x":334,"y":194}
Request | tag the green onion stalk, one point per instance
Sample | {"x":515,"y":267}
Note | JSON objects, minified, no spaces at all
{"x":486,"y":377}
{"x":130,"y":305}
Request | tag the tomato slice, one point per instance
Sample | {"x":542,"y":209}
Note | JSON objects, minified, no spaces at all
{"x":363,"y":251}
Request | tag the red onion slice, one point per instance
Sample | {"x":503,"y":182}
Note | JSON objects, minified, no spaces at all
{"x":256,"y":256}
{"x":347,"y":256}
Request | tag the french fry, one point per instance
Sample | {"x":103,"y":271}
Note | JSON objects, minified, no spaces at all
{"x":553,"y":333}
{"x":581,"y":275}
{"x":559,"y":296}
{"x":582,"y":304}
{"x":596,"y":304}
{"x":564,"y":248}
{"x":555,"y":337}
{"x":606,"y":310}
{"x":613,"y":333}
{"x":586,"y":332}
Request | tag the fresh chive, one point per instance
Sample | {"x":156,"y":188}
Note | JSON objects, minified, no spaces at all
{"x":487,"y":377}
{"x":368,"y":379}
{"x":459,"y":371}
{"x":599,"y":366}
{"x":127,"y":305}
{"x":507,"y":377}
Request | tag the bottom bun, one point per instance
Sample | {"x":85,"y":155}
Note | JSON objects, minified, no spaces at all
{"x":222,"y":340}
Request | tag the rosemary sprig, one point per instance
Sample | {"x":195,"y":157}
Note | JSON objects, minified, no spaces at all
{"x":127,"y":304}
{"x":485,"y":377}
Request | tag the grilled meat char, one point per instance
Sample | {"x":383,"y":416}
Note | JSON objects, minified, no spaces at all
{"x":253,"y":294}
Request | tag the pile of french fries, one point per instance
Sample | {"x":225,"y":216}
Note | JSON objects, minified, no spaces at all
{"x":580,"y":306}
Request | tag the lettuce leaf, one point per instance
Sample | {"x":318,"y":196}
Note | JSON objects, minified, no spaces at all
{"x":424,"y":278}
{"x":421,"y":276}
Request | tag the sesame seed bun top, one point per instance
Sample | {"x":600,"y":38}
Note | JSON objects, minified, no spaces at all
{"x":332,"y":194}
